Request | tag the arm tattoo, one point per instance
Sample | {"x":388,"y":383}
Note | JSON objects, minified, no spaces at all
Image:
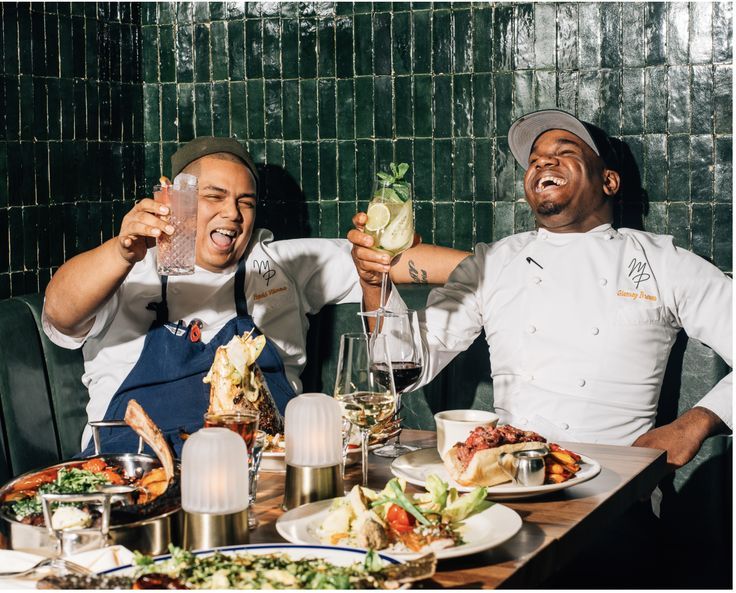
{"x":417,"y":276}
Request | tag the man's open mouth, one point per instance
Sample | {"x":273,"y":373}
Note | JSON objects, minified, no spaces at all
{"x":548,"y":181}
{"x":223,"y":238}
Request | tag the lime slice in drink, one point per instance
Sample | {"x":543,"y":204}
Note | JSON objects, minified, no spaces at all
{"x":378,"y":217}
{"x":399,"y":234}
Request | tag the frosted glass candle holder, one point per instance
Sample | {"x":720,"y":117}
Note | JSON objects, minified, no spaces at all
{"x":214,"y":472}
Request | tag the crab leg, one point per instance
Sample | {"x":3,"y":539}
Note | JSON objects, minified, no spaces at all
{"x":141,"y":423}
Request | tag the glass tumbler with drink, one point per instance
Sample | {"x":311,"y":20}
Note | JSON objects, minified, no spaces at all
{"x":176,"y":252}
{"x":391,"y":216}
{"x":245,"y":423}
{"x":367,"y":397}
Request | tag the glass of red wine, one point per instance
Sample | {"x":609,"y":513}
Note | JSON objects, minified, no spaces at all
{"x":404,"y":344}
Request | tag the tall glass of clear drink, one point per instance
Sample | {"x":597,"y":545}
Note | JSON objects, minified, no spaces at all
{"x":176,"y":253}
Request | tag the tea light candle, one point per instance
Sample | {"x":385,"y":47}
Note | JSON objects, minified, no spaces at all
{"x":313,"y":435}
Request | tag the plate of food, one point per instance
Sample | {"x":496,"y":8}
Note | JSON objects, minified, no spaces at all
{"x":268,"y":566}
{"x":486,"y":459}
{"x":404,"y":524}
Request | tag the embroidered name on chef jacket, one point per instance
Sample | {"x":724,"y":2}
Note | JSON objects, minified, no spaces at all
{"x":638,"y":272}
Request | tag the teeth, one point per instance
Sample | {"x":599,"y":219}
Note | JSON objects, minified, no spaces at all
{"x":227,"y":232}
{"x":556,"y":180}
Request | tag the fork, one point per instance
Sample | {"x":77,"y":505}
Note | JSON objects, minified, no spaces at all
{"x":54,"y":562}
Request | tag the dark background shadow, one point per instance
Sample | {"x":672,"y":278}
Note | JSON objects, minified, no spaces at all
{"x":632,"y":201}
{"x":282,"y":206}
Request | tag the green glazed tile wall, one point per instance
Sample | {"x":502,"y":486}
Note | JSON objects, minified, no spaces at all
{"x":94,"y":98}
{"x":326,"y":93}
{"x":71,"y":132}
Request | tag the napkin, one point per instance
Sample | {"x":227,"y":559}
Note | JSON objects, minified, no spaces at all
{"x":95,"y":560}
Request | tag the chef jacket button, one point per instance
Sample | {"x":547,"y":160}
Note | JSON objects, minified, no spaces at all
{"x":594,"y":331}
{"x":537,"y":280}
{"x":565,"y":426}
{"x":581,"y":382}
{"x":531,"y":329}
{"x":604,"y":281}
{"x":608,"y":236}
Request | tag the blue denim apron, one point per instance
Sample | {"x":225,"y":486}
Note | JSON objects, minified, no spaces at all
{"x":167,"y":378}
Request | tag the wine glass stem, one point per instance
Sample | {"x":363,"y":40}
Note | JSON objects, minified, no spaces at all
{"x":364,"y":436}
{"x":398,"y":416}
{"x":384,"y":296}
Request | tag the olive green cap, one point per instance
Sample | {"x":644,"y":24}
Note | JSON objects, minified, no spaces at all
{"x":204,"y":145}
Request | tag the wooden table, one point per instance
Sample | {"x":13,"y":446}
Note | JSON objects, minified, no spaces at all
{"x":556,"y":526}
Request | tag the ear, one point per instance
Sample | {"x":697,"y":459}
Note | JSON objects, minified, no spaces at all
{"x":611,"y":182}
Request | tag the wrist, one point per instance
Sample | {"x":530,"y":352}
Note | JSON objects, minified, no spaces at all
{"x":701,"y":423}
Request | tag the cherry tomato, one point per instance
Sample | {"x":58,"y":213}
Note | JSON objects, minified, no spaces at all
{"x":399,"y":520}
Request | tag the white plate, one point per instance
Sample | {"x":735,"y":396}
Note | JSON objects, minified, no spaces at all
{"x":481,"y":531}
{"x":336,"y":555}
{"x":414,"y":467}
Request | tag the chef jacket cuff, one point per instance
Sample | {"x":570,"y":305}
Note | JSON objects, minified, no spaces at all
{"x":69,"y":342}
{"x":718,"y":400}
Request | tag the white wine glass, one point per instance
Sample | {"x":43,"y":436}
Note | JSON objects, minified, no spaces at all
{"x":404,"y":348}
{"x":367,"y":397}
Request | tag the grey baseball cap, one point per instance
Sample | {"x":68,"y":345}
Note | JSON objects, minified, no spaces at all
{"x":204,"y":145}
{"x":525,"y":130}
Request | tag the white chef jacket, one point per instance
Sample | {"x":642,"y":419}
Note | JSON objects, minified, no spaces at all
{"x":285,"y":280}
{"x":579,"y":327}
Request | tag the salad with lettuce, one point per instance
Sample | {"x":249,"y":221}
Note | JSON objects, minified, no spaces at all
{"x":399,"y":521}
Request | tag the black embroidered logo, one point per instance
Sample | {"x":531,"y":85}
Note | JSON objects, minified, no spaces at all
{"x":264,"y":269}
{"x":638,"y":272}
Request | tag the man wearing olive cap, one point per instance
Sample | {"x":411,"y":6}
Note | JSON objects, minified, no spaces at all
{"x":579,"y":317}
{"x":111,"y":301}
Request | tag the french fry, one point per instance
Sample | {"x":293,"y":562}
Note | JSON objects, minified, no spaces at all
{"x":563,"y":457}
{"x":555,"y":478}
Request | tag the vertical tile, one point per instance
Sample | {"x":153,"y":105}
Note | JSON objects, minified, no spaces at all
{"x":656,"y":165}
{"x":307,"y":48}
{"x":545,"y":89}
{"x":168,"y":112}
{"x":482,"y":32}
{"x":271,"y":48}
{"x":236,"y":49}
{"x":326,"y":47}
{"x":678,"y":149}
{"x":723,"y":174}
{"x":702,"y":230}
{"x":308,"y":109}
{"x":633,"y":33}
{"x":201,"y":53}
{"x":441,"y":42}
{"x":462,"y":99}
{"x":679,"y":99}
{"x":503,"y":85}
{"x":422,"y":41}
{"x":310,"y":169}
{"x":463,"y":46}
{"x":655,"y":24}
{"x":184,"y":54}
{"x":167,"y":58}
{"x":463,"y":166}
{"x":701,"y":40}
{"x":483,"y":170}
{"x":723,"y":230}
{"x":422,"y":174}
{"x":256,"y":108}
{"x":722,"y":32}
{"x":344,"y":47}
{"x":290,"y":48}
{"x":253,"y":49}
{"x":238,"y":110}
{"x":327,"y":109}
{"x":611,"y":51}
{"x":346,"y":172}
{"x":401,"y":43}
{"x":589,"y":23}
{"x":382,"y":43}
{"x":328,"y":173}
{"x":202,"y":109}
{"x":482,"y":105}
{"x":678,"y":25}
{"x":702,"y":99}
{"x":701,"y":167}
{"x":524,"y":21}
{"x":345,"y":109}
{"x":655,"y":101}
{"x":404,"y":106}
{"x":545,"y":33}
{"x":505,"y":165}
{"x":444,"y":222}
{"x":383,"y":106}
{"x":363,"y":38}
{"x":523,"y":92}
{"x":722,"y":99}
{"x":442,"y":106}
{"x":363,"y":107}
{"x":423,"y":106}
{"x":219,"y":49}
{"x":503,"y":220}
{"x":221,"y":109}
{"x":633,"y":101}
{"x":273,"y":109}
{"x":185,"y":110}
{"x":567,"y":36}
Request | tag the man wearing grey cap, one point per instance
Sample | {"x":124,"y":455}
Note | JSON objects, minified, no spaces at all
{"x":111,"y":301}
{"x":579,"y":317}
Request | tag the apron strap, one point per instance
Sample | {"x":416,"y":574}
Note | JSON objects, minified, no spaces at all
{"x":162,"y":308}
{"x":241,"y":305}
